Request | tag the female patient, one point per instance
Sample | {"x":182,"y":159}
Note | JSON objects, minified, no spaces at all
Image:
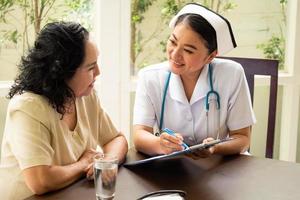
{"x":54,"y":120}
{"x":194,"y":94}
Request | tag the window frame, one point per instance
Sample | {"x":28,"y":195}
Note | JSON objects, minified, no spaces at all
{"x":112,"y":33}
{"x":291,"y":86}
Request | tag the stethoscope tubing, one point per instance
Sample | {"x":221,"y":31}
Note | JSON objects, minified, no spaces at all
{"x":209,"y":93}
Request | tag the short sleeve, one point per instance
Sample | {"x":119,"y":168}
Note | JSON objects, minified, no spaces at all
{"x":240,"y":112}
{"x":28,"y":136}
{"x":143,"y":113}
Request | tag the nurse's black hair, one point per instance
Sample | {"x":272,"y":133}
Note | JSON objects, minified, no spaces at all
{"x":57,"y":52}
{"x":202,"y":27}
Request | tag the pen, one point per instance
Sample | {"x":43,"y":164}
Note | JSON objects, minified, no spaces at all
{"x":170,"y":132}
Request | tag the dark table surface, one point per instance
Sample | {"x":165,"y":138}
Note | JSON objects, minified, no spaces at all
{"x":217,"y":178}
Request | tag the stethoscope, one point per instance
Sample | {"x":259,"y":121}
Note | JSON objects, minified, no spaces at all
{"x":212,"y":99}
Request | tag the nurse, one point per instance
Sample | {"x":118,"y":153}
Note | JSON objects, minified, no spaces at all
{"x":198,"y":96}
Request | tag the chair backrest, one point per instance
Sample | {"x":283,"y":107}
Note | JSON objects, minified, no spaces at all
{"x":255,"y":66}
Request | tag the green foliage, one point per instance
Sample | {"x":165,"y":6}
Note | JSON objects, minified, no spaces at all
{"x":77,"y":5}
{"x":11,"y":35}
{"x":80,"y":11}
{"x":283,"y":2}
{"x":139,"y":7}
{"x":229,"y":6}
{"x":274,"y":48}
{"x":136,"y":19}
{"x":143,"y":5}
{"x":170,"y":8}
{"x":22,"y":19}
{"x":5,"y":7}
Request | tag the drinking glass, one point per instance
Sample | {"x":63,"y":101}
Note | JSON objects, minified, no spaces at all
{"x":105,"y":175}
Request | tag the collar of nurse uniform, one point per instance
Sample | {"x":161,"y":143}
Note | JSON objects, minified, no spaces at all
{"x":177,"y":92}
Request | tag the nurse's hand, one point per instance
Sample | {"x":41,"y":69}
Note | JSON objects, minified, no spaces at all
{"x":203,"y":153}
{"x":170,"y":143}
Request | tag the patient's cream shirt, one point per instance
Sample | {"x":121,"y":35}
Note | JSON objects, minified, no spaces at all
{"x":34,"y":135}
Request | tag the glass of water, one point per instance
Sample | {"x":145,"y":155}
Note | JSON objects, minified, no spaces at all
{"x":105,"y":175}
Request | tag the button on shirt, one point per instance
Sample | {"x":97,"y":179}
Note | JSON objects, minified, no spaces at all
{"x":189,"y":118}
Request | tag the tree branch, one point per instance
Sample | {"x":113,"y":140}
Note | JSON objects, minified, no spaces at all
{"x":51,"y":5}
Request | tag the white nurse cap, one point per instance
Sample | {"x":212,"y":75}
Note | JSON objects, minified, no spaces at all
{"x":224,"y":34}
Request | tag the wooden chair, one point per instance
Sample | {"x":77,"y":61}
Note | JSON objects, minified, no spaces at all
{"x":266,"y":67}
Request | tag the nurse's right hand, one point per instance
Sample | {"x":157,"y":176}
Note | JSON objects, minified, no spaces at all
{"x":170,"y":143}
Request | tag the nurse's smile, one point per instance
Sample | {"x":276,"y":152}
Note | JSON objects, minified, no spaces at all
{"x":177,"y":64}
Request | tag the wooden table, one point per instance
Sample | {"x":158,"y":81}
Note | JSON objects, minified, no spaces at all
{"x":217,"y":178}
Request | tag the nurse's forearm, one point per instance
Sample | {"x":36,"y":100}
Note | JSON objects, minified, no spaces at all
{"x":240,"y":144}
{"x":146,"y":142}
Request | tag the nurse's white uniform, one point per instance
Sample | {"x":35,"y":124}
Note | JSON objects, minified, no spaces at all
{"x":189,"y":118}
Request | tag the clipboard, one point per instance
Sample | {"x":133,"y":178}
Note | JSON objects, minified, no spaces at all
{"x":177,"y":153}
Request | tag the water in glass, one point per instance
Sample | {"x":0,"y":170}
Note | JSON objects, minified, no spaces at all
{"x":105,"y":179}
